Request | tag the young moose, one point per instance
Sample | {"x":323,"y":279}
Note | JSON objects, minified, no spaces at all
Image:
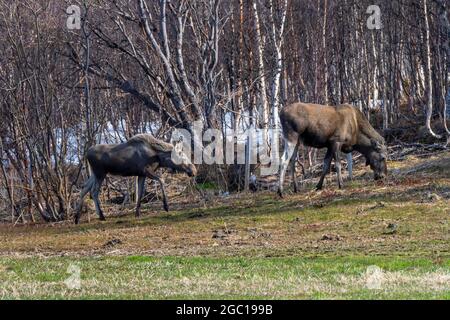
{"x":341,"y":128}
{"x":140,"y":156}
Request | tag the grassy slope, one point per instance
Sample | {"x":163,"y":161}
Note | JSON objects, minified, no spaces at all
{"x":310,"y":245}
{"x":216,"y":278}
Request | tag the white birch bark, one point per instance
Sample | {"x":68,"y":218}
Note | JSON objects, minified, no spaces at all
{"x":324,"y":48}
{"x":164,"y":54}
{"x":261,"y":75}
{"x":277,"y":37}
{"x":428,"y":71}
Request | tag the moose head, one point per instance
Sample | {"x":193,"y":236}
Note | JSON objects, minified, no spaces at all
{"x":377,"y":159}
{"x":180,"y":161}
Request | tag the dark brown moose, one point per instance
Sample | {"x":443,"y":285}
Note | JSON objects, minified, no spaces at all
{"x":339,"y":129}
{"x":139,"y":157}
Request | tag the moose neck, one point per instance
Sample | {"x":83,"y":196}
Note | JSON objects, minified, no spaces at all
{"x":366,"y":136}
{"x":364,"y":146}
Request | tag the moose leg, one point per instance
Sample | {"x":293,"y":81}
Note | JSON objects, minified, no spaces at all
{"x":326,"y":168}
{"x":337,"y":159}
{"x":293,"y":162}
{"x":289,"y":149}
{"x":350,"y":166}
{"x":140,"y":191}
{"x":152,"y":175}
{"x":95,"y":195}
{"x":87,"y":187}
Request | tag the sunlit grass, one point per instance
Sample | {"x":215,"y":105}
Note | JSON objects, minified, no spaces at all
{"x":226,"y":278}
{"x":310,"y":245}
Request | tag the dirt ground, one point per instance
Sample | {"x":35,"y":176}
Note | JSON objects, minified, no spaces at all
{"x":408,"y":215}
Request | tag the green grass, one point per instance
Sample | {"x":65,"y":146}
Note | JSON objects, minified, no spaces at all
{"x":207,"y":186}
{"x":144,"y":277}
{"x":311,"y":245}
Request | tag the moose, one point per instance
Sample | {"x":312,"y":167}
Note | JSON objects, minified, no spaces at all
{"x":340,"y":128}
{"x":140,"y":157}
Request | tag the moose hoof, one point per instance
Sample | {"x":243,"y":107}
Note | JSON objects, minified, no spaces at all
{"x":280,"y":193}
{"x":166,"y":207}
{"x":102,"y":218}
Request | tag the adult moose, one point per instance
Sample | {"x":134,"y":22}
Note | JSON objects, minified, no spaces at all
{"x":140,"y":156}
{"x":339,"y":129}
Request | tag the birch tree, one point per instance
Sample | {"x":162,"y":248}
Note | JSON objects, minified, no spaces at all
{"x":277,"y":34}
{"x":428,"y":71}
{"x":260,"y":48}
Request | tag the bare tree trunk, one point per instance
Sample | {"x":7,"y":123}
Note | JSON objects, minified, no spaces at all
{"x":443,"y":16}
{"x":277,"y":38}
{"x":428,"y":72}
{"x":383,"y":72}
{"x":8,"y":186}
{"x":324,"y":48}
{"x":375,"y":72}
{"x":261,"y":75}
{"x":239,"y":96}
{"x":164,"y":54}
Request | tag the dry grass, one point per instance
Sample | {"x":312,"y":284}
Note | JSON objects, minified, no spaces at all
{"x":406,"y":217}
{"x":192,"y":278}
{"x":356,"y":218}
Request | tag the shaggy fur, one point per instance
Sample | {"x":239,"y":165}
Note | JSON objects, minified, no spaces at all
{"x":156,"y":144}
{"x":139,"y":157}
{"x":339,"y":129}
